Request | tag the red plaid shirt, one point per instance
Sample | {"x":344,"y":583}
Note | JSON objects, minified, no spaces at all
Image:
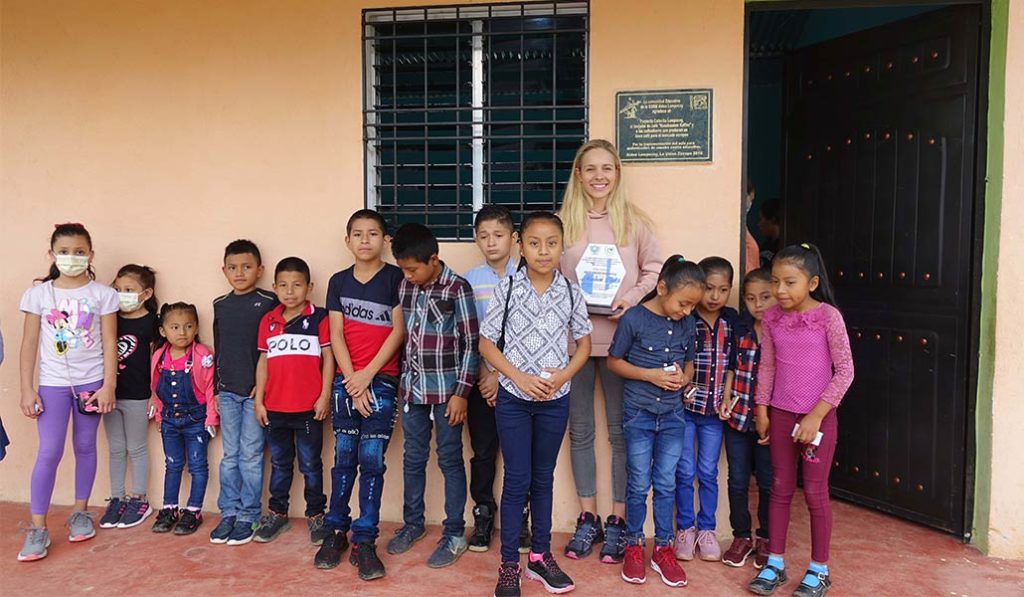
{"x":746,"y":353}
{"x":714,"y":346}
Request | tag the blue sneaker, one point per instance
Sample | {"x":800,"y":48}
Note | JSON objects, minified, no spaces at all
{"x":588,"y":532}
{"x":404,"y":538}
{"x":243,"y":533}
{"x":222,"y":532}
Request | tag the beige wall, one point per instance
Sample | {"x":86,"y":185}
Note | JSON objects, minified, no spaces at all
{"x":170,"y":128}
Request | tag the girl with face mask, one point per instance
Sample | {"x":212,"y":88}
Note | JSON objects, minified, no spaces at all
{"x":127,"y":425}
{"x":71,"y":330}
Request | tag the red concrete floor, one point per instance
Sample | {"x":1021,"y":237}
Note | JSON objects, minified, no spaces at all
{"x":872,"y":554}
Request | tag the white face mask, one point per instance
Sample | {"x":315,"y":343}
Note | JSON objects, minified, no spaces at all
{"x":129,"y":301}
{"x":71,"y":265}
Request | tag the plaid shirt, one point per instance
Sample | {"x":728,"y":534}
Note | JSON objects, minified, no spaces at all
{"x":441,"y":358}
{"x":746,"y":353}
{"x":714,"y":346}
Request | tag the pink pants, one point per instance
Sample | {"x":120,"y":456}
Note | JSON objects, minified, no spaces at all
{"x":785,"y":455}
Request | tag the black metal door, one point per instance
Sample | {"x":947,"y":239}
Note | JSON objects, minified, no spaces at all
{"x":880,"y":166}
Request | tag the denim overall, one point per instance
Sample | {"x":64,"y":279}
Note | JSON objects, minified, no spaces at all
{"x":183,"y":430}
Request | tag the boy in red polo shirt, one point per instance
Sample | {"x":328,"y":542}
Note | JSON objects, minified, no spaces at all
{"x":293,"y":389}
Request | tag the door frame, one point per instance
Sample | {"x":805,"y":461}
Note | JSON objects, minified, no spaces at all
{"x":986,"y":201}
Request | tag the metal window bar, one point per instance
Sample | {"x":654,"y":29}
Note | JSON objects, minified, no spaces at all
{"x":472,"y":104}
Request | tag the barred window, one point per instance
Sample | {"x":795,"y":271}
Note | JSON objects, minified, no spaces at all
{"x":469,"y":105}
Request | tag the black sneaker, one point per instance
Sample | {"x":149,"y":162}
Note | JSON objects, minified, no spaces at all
{"x":483,"y":521}
{"x":115,"y":509}
{"x":364,"y":558}
{"x":550,"y":575}
{"x":329,"y":554}
{"x":165,"y":520}
{"x":222,"y":532}
{"x":508,"y":580}
{"x":318,"y":531}
{"x":271,"y":525}
{"x":588,"y":532}
{"x":614,"y":549}
{"x":525,"y":541}
{"x":189,"y":522}
{"x":135,"y":513}
{"x":241,"y":533}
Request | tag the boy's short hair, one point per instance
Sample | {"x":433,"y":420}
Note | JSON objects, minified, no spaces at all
{"x":367,"y":214}
{"x":414,"y":241}
{"x":498,"y":213}
{"x":292,"y":264}
{"x":243,"y":246}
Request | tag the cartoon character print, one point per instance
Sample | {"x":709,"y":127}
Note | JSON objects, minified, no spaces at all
{"x":126,"y":347}
{"x":72,"y":324}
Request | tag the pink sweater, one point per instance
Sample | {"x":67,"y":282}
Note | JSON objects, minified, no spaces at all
{"x":642,"y":259}
{"x":805,"y":357}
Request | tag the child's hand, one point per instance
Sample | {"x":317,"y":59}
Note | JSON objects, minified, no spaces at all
{"x":725,"y":410}
{"x":488,"y":385}
{"x":362,"y":403}
{"x":261,"y":414}
{"x":322,"y":407}
{"x":619,"y":307}
{"x":151,"y":411}
{"x":31,"y":405}
{"x":810,"y":424}
{"x":533,"y":386}
{"x":761,"y":424}
{"x":557,"y":378}
{"x":104,"y":399}
{"x":456,"y":411}
{"x":669,"y":381}
{"x":358,"y":382}
{"x":212,"y":430}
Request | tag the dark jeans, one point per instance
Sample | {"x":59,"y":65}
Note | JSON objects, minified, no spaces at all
{"x":287,"y":434}
{"x":654,"y":444}
{"x":359,"y":447}
{"x":746,"y":457}
{"x":483,"y":436}
{"x":531,"y":434}
{"x":185,"y":439}
{"x":417,"y":423}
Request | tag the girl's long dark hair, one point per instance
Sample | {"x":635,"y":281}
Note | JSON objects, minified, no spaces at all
{"x":677,"y":272}
{"x":168,"y":308}
{"x":808,"y":259}
{"x":60,"y":231}
{"x":147,"y":278}
{"x":531,"y":218}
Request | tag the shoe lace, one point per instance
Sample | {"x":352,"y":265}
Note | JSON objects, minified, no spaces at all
{"x":34,"y":534}
{"x":585,"y":532}
{"x":706,"y":538}
{"x":267,"y":519}
{"x":551,"y":565}
{"x":636,"y":556}
{"x":316,"y":522}
{"x":407,"y":532}
{"x":76,"y":518}
{"x":508,"y":576}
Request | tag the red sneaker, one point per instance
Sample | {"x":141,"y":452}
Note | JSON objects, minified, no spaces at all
{"x":738,"y":552}
{"x":633,"y":568}
{"x":761,"y":553}
{"x":664,"y":563}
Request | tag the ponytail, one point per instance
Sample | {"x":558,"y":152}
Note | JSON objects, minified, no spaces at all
{"x":807,"y":258}
{"x":677,"y":272}
{"x":60,"y":231}
{"x":147,"y":279}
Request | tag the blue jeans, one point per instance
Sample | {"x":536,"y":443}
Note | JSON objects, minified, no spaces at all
{"x":360,"y":442}
{"x":531,"y":434}
{"x":241,"y":468}
{"x":702,"y":445}
{"x":417,"y":422}
{"x":289,"y":434}
{"x":746,"y":456}
{"x":654,"y":444}
{"x":185,"y":438}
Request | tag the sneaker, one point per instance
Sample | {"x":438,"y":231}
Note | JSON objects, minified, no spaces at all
{"x":483,"y":528}
{"x":614,"y":540}
{"x":550,"y":575}
{"x":588,"y":532}
{"x":165,"y":520}
{"x":447,"y":552}
{"x":137,"y":511}
{"x":761,"y":552}
{"x":271,"y":525}
{"x":806,"y":590}
{"x":37,"y":540}
{"x":189,"y":522}
{"x":686,"y":542}
{"x":242,"y":532}
{"x":763,"y":586}
{"x":115,"y":509}
{"x":329,"y":554}
{"x":707,"y":545}
{"x":317,"y":531}
{"x":664,"y":563}
{"x":508,"y":580}
{"x":404,"y":537}
{"x":525,"y":541}
{"x":222,"y":532}
{"x":737,"y":554}
{"x":364,"y":558}
{"x":633,"y":568}
{"x":80,"y":526}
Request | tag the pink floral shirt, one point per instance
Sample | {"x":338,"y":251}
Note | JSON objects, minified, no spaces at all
{"x":805,"y":358}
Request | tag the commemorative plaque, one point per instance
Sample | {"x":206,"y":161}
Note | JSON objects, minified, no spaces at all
{"x":664,"y":126}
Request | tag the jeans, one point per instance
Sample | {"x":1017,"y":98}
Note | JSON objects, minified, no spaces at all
{"x":360,"y":442}
{"x":417,"y":422}
{"x":288,"y":434}
{"x":241,"y":468}
{"x":581,"y":428}
{"x":702,"y":446}
{"x":745,"y":457}
{"x":127,"y":428}
{"x":654,"y":444}
{"x":185,"y":439}
{"x":483,"y":437}
{"x":531,"y":434}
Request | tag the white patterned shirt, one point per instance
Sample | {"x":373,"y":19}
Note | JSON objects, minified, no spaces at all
{"x":538,"y":326}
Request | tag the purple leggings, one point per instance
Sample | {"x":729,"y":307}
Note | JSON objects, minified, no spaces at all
{"x":58,"y":407}
{"x":785,"y":454}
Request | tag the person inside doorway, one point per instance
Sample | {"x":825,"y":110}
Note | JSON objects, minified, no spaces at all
{"x":768,"y":224}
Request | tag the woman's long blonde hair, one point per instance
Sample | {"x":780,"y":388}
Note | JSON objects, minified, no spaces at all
{"x":624,"y":216}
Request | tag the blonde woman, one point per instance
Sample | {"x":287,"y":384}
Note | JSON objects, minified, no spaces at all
{"x":611,"y":252}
